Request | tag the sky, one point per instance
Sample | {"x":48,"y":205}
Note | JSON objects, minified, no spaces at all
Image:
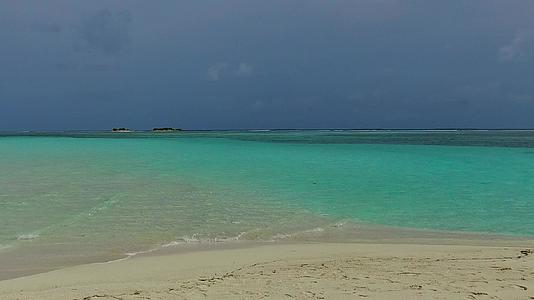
{"x":247,"y":64}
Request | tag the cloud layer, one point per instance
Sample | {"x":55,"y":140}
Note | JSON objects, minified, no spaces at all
{"x":251,"y":64}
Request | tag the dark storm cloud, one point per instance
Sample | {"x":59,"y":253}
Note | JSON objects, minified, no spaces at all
{"x":46,"y":27}
{"x":250,"y":64}
{"x":105,"y":31}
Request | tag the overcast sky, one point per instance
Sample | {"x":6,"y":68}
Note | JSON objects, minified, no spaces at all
{"x":266,"y":64}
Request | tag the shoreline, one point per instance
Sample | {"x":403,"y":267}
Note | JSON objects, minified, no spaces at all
{"x":341,"y":232}
{"x":302,"y":270}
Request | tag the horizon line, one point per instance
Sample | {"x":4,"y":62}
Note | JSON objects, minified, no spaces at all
{"x":280,"y":129}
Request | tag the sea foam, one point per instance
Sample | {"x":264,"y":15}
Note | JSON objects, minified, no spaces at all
{"x":28,"y":237}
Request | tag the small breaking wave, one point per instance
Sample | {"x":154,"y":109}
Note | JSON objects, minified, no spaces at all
{"x":250,"y":236}
{"x":284,"y":236}
{"x":28,"y":236}
{"x":316,"y":232}
{"x":196,"y":238}
{"x":187,"y":240}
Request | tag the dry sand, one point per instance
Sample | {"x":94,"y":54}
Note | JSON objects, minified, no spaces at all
{"x":297,"y":271}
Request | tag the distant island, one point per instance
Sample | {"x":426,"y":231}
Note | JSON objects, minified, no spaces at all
{"x":157,"y":129}
{"x":166,"y":129}
{"x":121,"y":129}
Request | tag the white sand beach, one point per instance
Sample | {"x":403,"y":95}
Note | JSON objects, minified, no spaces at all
{"x":297,"y":271}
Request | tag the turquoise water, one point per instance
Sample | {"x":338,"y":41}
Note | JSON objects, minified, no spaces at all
{"x":100,"y":194}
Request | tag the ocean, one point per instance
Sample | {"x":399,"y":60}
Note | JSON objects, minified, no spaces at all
{"x":74,"y":197}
